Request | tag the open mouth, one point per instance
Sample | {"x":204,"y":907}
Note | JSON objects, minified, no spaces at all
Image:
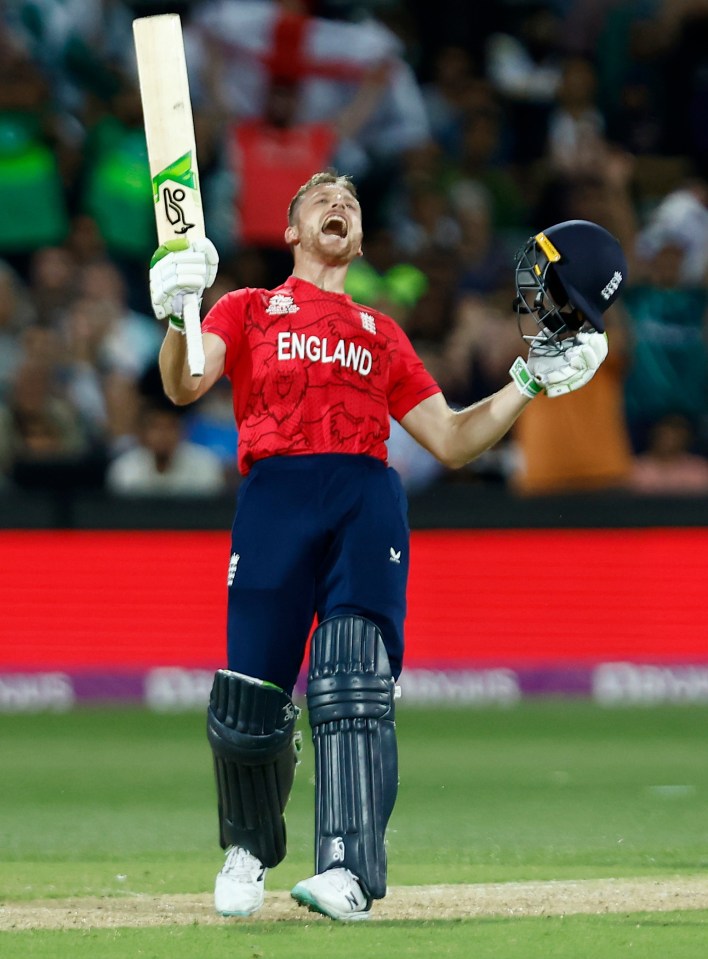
{"x":335,"y":225}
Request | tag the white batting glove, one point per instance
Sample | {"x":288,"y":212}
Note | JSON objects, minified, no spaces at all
{"x":574,"y":367}
{"x":178,"y":267}
{"x":563,"y":372}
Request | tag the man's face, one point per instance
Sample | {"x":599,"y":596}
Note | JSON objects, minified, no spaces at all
{"x":327,"y":224}
{"x":161,"y":432}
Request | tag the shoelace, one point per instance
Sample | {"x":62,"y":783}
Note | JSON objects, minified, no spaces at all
{"x":242,"y":864}
{"x":344,"y":880}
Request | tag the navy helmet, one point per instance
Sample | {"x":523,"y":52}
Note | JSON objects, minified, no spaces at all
{"x":567,"y":277}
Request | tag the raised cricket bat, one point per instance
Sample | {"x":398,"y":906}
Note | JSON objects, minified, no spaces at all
{"x":172,"y":152}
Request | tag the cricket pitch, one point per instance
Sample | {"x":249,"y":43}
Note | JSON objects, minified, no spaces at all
{"x":512,"y":899}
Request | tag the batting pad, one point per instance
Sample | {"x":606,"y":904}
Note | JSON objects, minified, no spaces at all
{"x":350,"y":693}
{"x":250,"y":727}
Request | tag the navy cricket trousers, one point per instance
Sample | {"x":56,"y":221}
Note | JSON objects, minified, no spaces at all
{"x":318,"y":535}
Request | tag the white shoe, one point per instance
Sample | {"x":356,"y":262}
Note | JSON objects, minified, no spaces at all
{"x":335,"y":893}
{"x":240,"y":886}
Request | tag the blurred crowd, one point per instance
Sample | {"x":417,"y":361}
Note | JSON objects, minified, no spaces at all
{"x":467,"y":127}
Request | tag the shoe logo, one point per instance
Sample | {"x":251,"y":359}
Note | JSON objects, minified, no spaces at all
{"x":338,"y":849}
{"x":352,"y":900}
{"x":289,"y":712}
{"x":281,"y":303}
{"x":367,"y":321}
{"x":395,"y":555}
{"x":233,"y":563}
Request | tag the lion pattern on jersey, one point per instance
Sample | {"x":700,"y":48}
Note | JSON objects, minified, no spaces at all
{"x":314,"y":377}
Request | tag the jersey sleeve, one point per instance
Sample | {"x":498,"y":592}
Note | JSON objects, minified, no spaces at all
{"x":409,"y":383}
{"x":226,"y":320}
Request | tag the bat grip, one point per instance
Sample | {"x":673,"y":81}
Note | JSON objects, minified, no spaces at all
{"x":193,"y":332}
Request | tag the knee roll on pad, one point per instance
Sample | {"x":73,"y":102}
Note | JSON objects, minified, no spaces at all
{"x":250,"y":727}
{"x":350,"y":696}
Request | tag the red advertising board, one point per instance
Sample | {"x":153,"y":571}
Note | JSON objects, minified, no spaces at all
{"x":126,"y":600}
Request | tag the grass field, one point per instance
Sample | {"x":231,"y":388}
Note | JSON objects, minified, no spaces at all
{"x":119,"y":805}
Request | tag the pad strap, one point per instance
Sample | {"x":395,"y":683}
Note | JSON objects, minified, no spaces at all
{"x":350,"y":695}
{"x":250,"y":726}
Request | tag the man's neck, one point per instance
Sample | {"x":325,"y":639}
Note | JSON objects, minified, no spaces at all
{"x":325,"y":276}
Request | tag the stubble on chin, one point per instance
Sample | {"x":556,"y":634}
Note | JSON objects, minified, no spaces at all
{"x":332,"y":253}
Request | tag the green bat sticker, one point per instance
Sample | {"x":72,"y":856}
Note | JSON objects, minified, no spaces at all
{"x":182,"y":173}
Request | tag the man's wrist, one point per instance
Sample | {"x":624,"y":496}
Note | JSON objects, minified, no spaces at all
{"x":523,"y":379}
{"x":176,"y":323}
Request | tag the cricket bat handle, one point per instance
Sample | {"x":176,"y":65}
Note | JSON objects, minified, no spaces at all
{"x":193,"y":333}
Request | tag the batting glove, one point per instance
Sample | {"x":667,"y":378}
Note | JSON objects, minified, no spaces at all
{"x":573,"y":368}
{"x":179,"y":267}
{"x":523,"y":379}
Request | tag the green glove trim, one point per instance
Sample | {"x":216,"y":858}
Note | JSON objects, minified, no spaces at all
{"x":172,"y":246}
{"x":523,"y":380}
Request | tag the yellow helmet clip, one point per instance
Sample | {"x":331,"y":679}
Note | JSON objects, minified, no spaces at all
{"x":549,"y":250}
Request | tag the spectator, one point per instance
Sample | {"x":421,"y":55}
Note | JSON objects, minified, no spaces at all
{"x":583,"y":447}
{"x":210,"y":424}
{"x":106,"y":347}
{"x":163,"y":462}
{"x":427,"y":226}
{"x":680,"y":220}
{"x":82,"y":48}
{"x":485,"y":260}
{"x":84,"y":242}
{"x":240,"y":46}
{"x":481,"y":346}
{"x":270,"y":156}
{"x":116,"y":191}
{"x":16,"y":314}
{"x":83,"y":363}
{"x":485,"y":159}
{"x":41,"y":347}
{"x":430,"y":317}
{"x":522,"y":64}
{"x":476,"y":355}
{"x":52,"y":281}
{"x":447,"y":97}
{"x":670,"y":465}
{"x":122,"y":404}
{"x":603,"y":195}
{"x":32,"y":197}
{"x":131,"y":339}
{"x":39,"y":427}
{"x":576,"y":127}
{"x":635,"y":124}
{"x":666,"y":322}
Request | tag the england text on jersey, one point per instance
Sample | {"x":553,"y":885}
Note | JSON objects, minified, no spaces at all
{"x":298,"y":346}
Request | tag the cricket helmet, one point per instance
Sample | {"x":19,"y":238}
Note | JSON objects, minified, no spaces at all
{"x":566,"y":277}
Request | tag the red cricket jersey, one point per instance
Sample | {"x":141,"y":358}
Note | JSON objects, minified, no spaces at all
{"x":314,"y":372}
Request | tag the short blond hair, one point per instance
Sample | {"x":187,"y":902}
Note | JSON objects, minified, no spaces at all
{"x":318,"y":179}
